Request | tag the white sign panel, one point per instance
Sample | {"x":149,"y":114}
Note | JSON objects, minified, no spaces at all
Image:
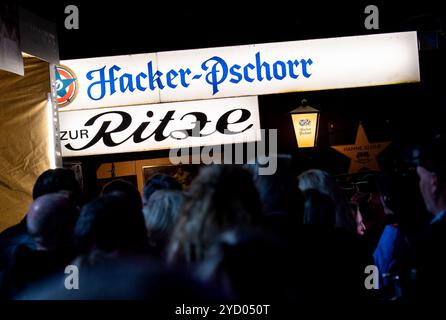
{"x":307,"y":65}
{"x":159,"y":126}
{"x":85,"y":83}
{"x":295,"y":66}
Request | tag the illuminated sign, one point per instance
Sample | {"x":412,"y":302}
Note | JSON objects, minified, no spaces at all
{"x":305,"y":128}
{"x":159,"y":126}
{"x":247,"y":70}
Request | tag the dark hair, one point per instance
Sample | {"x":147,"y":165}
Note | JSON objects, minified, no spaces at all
{"x":111,"y":223}
{"x":432,"y":157}
{"x":249,"y":263}
{"x":54,"y":180}
{"x":159,"y":181}
{"x":125,"y":187}
{"x":319,"y":209}
{"x":220,"y":197}
{"x":324,"y":183}
{"x":396,"y":189}
{"x":278,"y":192}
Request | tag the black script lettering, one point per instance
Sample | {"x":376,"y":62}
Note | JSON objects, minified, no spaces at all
{"x":222,"y":124}
{"x":103,"y":133}
{"x":200,"y":123}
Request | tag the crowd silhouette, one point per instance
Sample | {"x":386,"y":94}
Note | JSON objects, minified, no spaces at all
{"x":235,"y":235}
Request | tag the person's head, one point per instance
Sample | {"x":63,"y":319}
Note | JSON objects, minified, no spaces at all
{"x":394,"y":191}
{"x":160,"y":214}
{"x":431,"y":171}
{"x":390,"y":189}
{"x":51,"y":219}
{"x":220,"y":197}
{"x":125,"y":187}
{"x":55,"y":180}
{"x":360,"y":203}
{"x":319,"y":209}
{"x":321,"y":181}
{"x":248,"y":263}
{"x":278,"y":191}
{"x":111,"y":223}
{"x":159,"y":181}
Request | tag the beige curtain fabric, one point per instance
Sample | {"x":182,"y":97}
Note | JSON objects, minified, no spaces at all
{"x":23,"y":137}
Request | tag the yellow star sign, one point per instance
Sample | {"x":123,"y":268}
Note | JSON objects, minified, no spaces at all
{"x":363,"y":153}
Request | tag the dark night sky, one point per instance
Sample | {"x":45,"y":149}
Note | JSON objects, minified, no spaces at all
{"x":112,"y":28}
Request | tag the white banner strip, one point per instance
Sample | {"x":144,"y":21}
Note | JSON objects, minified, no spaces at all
{"x":308,"y":65}
{"x":159,"y":126}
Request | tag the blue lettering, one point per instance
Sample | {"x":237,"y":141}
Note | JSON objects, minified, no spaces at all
{"x":126,"y":85}
{"x":304,"y":67}
{"x":276,"y":71}
{"x":138,"y":81}
{"x":235,"y":73}
{"x":112,"y":78}
{"x":245,"y":72}
{"x":183,"y":74}
{"x":290,"y":65}
{"x":216,"y":71}
{"x":259,"y":67}
{"x":172,"y":74}
{"x":101,"y":82}
{"x":211,"y":77}
{"x":154,"y":77}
